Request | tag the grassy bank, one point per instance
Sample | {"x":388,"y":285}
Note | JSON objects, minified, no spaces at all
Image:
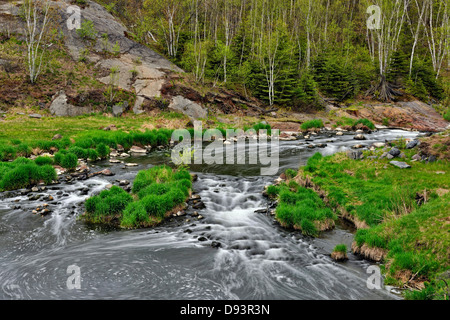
{"x":156,"y":193}
{"x":402,"y":215}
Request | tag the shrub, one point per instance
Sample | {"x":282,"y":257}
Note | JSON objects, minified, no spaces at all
{"x":87,"y":30}
{"x":69,"y":161}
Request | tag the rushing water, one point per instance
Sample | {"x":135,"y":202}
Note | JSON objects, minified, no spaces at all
{"x":257,"y":259}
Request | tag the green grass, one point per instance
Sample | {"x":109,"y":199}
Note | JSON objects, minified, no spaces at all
{"x":156,"y":192}
{"x":340,"y":248}
{"x":365,"y":122}
{"x":415,"y":236}
{"x":301,"y":209}
{"x":108,"y":204}
{"x":316,"y":123}
{"x":23,"y":173}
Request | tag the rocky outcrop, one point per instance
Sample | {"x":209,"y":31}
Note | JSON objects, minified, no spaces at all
{"x":61,"y":108}
{"x":413,"y":115}
{"x":187,"y":107}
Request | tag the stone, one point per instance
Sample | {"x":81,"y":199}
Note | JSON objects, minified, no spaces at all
{"x":355,"y":155}
{"x":124,"y":183}
{"x":187,"y":107}
{"x":394,"y":152}
{"x":57,"y":137}
{"x":432,"y":158}
{"x":416,"y":157}
{"x":359,"y":137}
{"x":35,"y":116}
{"x":401,"y":165}
{"x":119,"y":109}
{"x":379,"y":144}
{"x":131,"y":164}
{"x":136,"y":149}
{"x":340,"y":133}
{"x":390,"y":156}
{"x":107,"y":172}
{"x":412,"y":144}
{"x":216,"y":244}
{"x":358,"y":146}
{"x":61,"y":108}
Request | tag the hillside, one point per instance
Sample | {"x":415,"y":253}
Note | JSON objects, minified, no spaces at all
{"x":106,"y":68}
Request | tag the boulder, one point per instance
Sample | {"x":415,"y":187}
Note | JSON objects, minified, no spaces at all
{"x":119,"y":109}
{"x":61,"y":108}
{"x":359,"y":137}
{"x":394,"y":152}
{"x":412,"y":144}
{"x":379,"y":144}
{"x":35,"y":116}
{"x":136,"y":149}
{"x":187,"y":107}
{"x":401,"y":165}
{"x":355,"y":155}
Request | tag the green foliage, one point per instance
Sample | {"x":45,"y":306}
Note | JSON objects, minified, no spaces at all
{"x":340,"y":248}
{"x":69,"y":161}
{"x":23,"y":173}
{"x":301,"y":209}
{"x":103,"y":150}
{"x":108,"y":203}
{"x":87,"y":31}
{"x":365,"y":122}
{"x":79,"y":152}
{"x":42,"y":161}
{"x":316,"y":123}
{"x":290,"y":173}
{"x":92,"y":155}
